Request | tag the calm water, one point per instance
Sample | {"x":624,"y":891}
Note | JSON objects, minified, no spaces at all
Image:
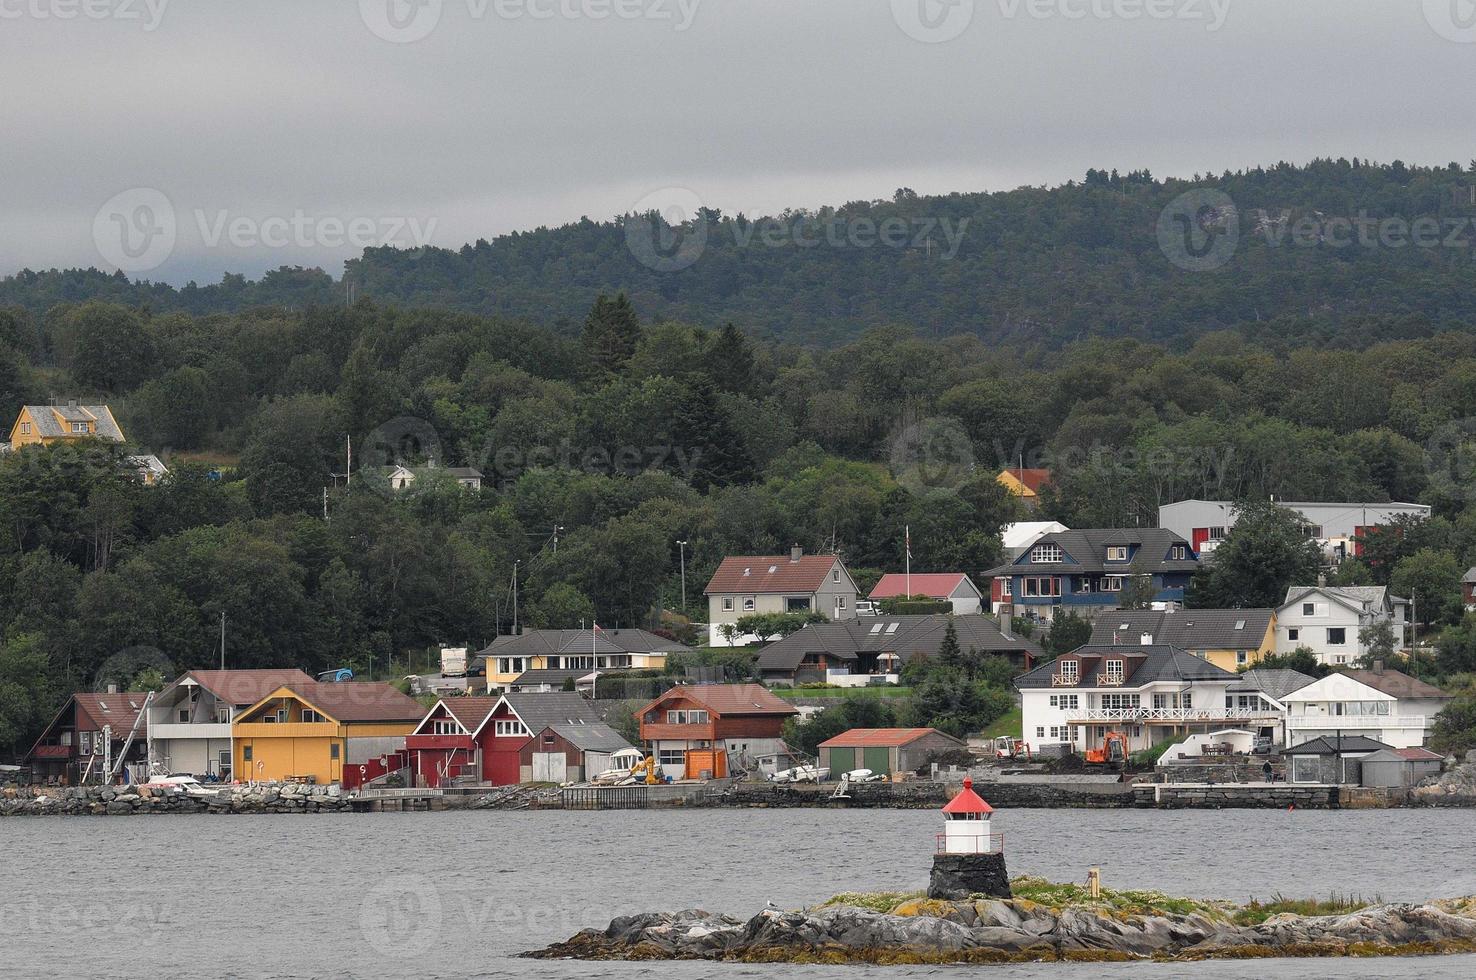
{"x":454,"y":895}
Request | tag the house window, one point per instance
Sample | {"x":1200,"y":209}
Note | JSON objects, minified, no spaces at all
{"x":1114,"y":671}
{"x":1217,"y":534}
{"x":840,"y":603}
{"x":1309,"y":609}
{"x":1160,"y":701}
{"x":1178,"y":553}
{"x":1337,"y":636}
{"x":835,"y":575}
{"x":25,"y":428}
{"x":1242,"y":658}
{"x":672,"y":757}
{"x":1006,"y":588}
{"x":246,"y":753}
{"x":1304,"y":768}
{"x":727,"y":603}
{"x":1186,"y":700}
{"x":333,"y":752}
{"x":748,"y":604}
{"x":1293,"y":635}
{"x":1045,"y":554}
{"x":1040,"y":731}
{"x":687,"y":717}
{"x":85,"y":740}
{"x":311,"y":717}
{"x":184,"y":716}
{"x":1068,"y":672}
{"x":282,"y":716}
{"x":1112,"y":583}
{"x":510,"y":728}
{"x":79,"y":428}
{"x":443,"y":726}
{"x":1117,"y":553}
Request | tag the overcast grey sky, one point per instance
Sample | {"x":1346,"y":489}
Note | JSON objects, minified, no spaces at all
{"x":348,"y":120}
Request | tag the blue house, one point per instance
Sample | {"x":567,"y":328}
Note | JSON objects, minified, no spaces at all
{"x":1086,"y":571}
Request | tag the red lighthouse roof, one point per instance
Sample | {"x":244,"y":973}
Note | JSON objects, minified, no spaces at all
{"x":967,"y":801}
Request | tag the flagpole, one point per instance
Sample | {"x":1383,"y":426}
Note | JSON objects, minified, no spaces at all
{"x":907,"y":541}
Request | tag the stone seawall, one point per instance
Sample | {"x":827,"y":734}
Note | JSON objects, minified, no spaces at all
{"x":926,"y":796}
{"x":1177,"y":796}
{"x":121,"y":801}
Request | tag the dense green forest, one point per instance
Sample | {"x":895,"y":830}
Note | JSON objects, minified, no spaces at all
{"x":1032,"y":268}
{"x":646,"y":421}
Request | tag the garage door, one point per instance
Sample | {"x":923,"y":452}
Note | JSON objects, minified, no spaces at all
{"x":878,"y":759}
{"x":842,"y":760}
{"x":550,"y":767}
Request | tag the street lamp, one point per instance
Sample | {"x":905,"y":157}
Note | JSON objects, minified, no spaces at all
{"x":682,"y":549}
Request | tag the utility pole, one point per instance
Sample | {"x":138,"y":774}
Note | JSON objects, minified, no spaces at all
{"x":222,"y":639}
{"x":325,"y":503}
{"x":682,"y":549}
{"x":558,"y":529}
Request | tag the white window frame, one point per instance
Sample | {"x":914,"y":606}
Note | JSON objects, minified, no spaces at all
{"x":1339,"y":642}
{"x":445,"y":726}
{"x":25,"y":428}
{"x":671,"y":757}
{"x":727,"y":603}
{"x":1070,"y":669}
{"x":749,"y":603}
{"x":840,"y":603}
{"x":1007,"y":588}
{"x":510,"y":728}
{"x":1112,"y":583}
{"x":1117,"y":552}
{"x":1115,"y":670}
{"x":1045,"y":554}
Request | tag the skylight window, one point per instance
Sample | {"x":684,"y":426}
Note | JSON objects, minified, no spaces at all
{"x":1240,"y":624}
{"x":876,"y":629}
{"x":892,"y":628}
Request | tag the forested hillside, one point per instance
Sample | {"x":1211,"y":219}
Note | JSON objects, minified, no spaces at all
{"x":1034,"y":268}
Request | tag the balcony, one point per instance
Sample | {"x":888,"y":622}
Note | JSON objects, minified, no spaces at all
{"x":1328,"y":723}
{"x":1110,"y":680}
{"x":1064,"y":680}
{"x":1170,"y":715}
{"x":179,"y":730}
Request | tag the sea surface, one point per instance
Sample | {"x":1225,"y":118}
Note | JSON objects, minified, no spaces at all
{"x":456,"y":895}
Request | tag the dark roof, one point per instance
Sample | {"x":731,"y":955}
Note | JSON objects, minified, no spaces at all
{"x":905,"y":636}
{"x":469,"y":713}
{"x":48,"y":420}
{"x":596,"y":737}
{"x":1398,"y":684}
{"x":729,"y":700}
{"x":348,"y":701}
{"x":241,"y":687}
{"x":764,"y":574}
{"x":889,"y":737}
{"x":545,"y":709}
{"x":1142,"y":665}
{"x":1332,"y":746}
{"x":1086,"y":551}
{"x":535,"y":643}
{"x":554,"y":677}
{"x":1187,"y":629}
{"x":1277,"y":683}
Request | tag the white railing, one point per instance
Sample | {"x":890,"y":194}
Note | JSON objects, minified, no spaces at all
{"x":842,"y":678}
{"x":1364,"y":722}
{"x":1170,"y":714}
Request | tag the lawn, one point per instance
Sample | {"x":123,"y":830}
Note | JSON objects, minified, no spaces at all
{"x":842,"y":692}
{"x":1009,"y":725}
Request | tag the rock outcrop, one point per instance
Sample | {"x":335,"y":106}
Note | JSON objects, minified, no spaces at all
{"x":929,"y":931}
{"x":1454,"y":787}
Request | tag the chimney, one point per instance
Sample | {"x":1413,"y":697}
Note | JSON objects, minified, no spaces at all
{"x":1146,"y":639}
{"x":1378,"y":667}
{"x":1321,"y":579}
{"x":1004,"y":625}
{"x":112,"y":688}
{"x":71,"y":403}
{"x":796,"y":553}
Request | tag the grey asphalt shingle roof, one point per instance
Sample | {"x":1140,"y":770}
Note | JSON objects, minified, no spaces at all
{"x":875,"y":634}
{"x":1144,"y":665}
{"x":1187,"y":629}
{"x":1274,"y":682}
{"x":1358,"y":597}
{"x":536,"y":643}
{"x":1332,"y":746}
{"x":1086,"y":551}
{"x":540,"y":710}
{"x":48,"y":425}
{"x":597,"y":737}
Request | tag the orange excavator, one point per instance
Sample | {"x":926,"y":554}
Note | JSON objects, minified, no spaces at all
{"x":1112,"y":752}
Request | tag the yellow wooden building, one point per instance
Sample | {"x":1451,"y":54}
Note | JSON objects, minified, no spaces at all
{"x":1231,"y":639}
{"x":315,"y":732}
{"x":43,"y":425}
{"x":543,"y":659}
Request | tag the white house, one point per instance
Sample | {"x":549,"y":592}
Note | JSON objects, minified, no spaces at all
{"x":190,"y":720}
{"x":793,"y":583}
{"x":1386,"y":705}
{"x":1149,"y":693}
{"x":1267,"y":689}
{"x":1327,"y":620}
{"x":1337,"y":527}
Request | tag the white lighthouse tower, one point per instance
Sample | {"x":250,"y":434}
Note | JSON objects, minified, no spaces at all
{"x":969,"y":859}
{"x":966,"y":825}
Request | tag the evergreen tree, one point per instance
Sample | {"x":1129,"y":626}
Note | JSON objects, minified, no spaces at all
{"x":611,"y":332}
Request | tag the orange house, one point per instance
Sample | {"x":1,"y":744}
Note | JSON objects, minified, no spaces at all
{"x":708,"y":730}
{"x":43,"y":425}
{"x":1025,"y":483}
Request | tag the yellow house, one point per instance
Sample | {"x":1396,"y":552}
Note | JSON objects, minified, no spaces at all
{"x":542,"y":659}
{"x":319,"y":732}
{"x":46,"y":424}
{"x":1024,"y":483}
{"x":1231,"y":639}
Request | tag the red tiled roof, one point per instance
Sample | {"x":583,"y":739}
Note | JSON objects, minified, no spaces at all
{"x":763,"y":574}
{"x":245,"y":687}
{"x":359,"y":701}
{"x":468,"y":712}
{"x":938,"y":585}
{"x":858,"y":738}
{"x":967,"y":801}
{"x":729,"y":699}
{"x":117,"y":710}
{"x":1419,"y":755}
{"x":1033,"y":479}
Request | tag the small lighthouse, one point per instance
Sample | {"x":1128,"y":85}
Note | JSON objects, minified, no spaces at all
{"x":969,"y":859}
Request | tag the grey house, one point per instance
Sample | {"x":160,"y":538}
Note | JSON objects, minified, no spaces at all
{"x":1331,"y":760}
{"x":793,"y":583}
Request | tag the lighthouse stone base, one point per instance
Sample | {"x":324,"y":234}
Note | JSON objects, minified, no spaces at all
{"x":957,"y":876}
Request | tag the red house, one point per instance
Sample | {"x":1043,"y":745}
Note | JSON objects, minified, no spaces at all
{"x":698,"y":730}
{"x":515,"y":720}
{"x":74,"y":747}
{"x":443,"y":745}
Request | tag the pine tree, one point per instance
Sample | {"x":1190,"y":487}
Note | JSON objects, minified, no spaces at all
{"x":611,"y":332}
{"x":949,"y":654}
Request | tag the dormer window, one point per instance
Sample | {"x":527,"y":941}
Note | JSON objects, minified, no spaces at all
{"x":1178,"y":553}
{"x":1070,"y":671}
{"x":1045,"y":554}
{"x":1114,"y":671}
{"x":79,"y":428}
{"x":1117,"y":552}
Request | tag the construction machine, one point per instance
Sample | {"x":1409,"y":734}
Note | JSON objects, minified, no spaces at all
{"x":1113,"y":751}
{"x":1011,"y":748}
